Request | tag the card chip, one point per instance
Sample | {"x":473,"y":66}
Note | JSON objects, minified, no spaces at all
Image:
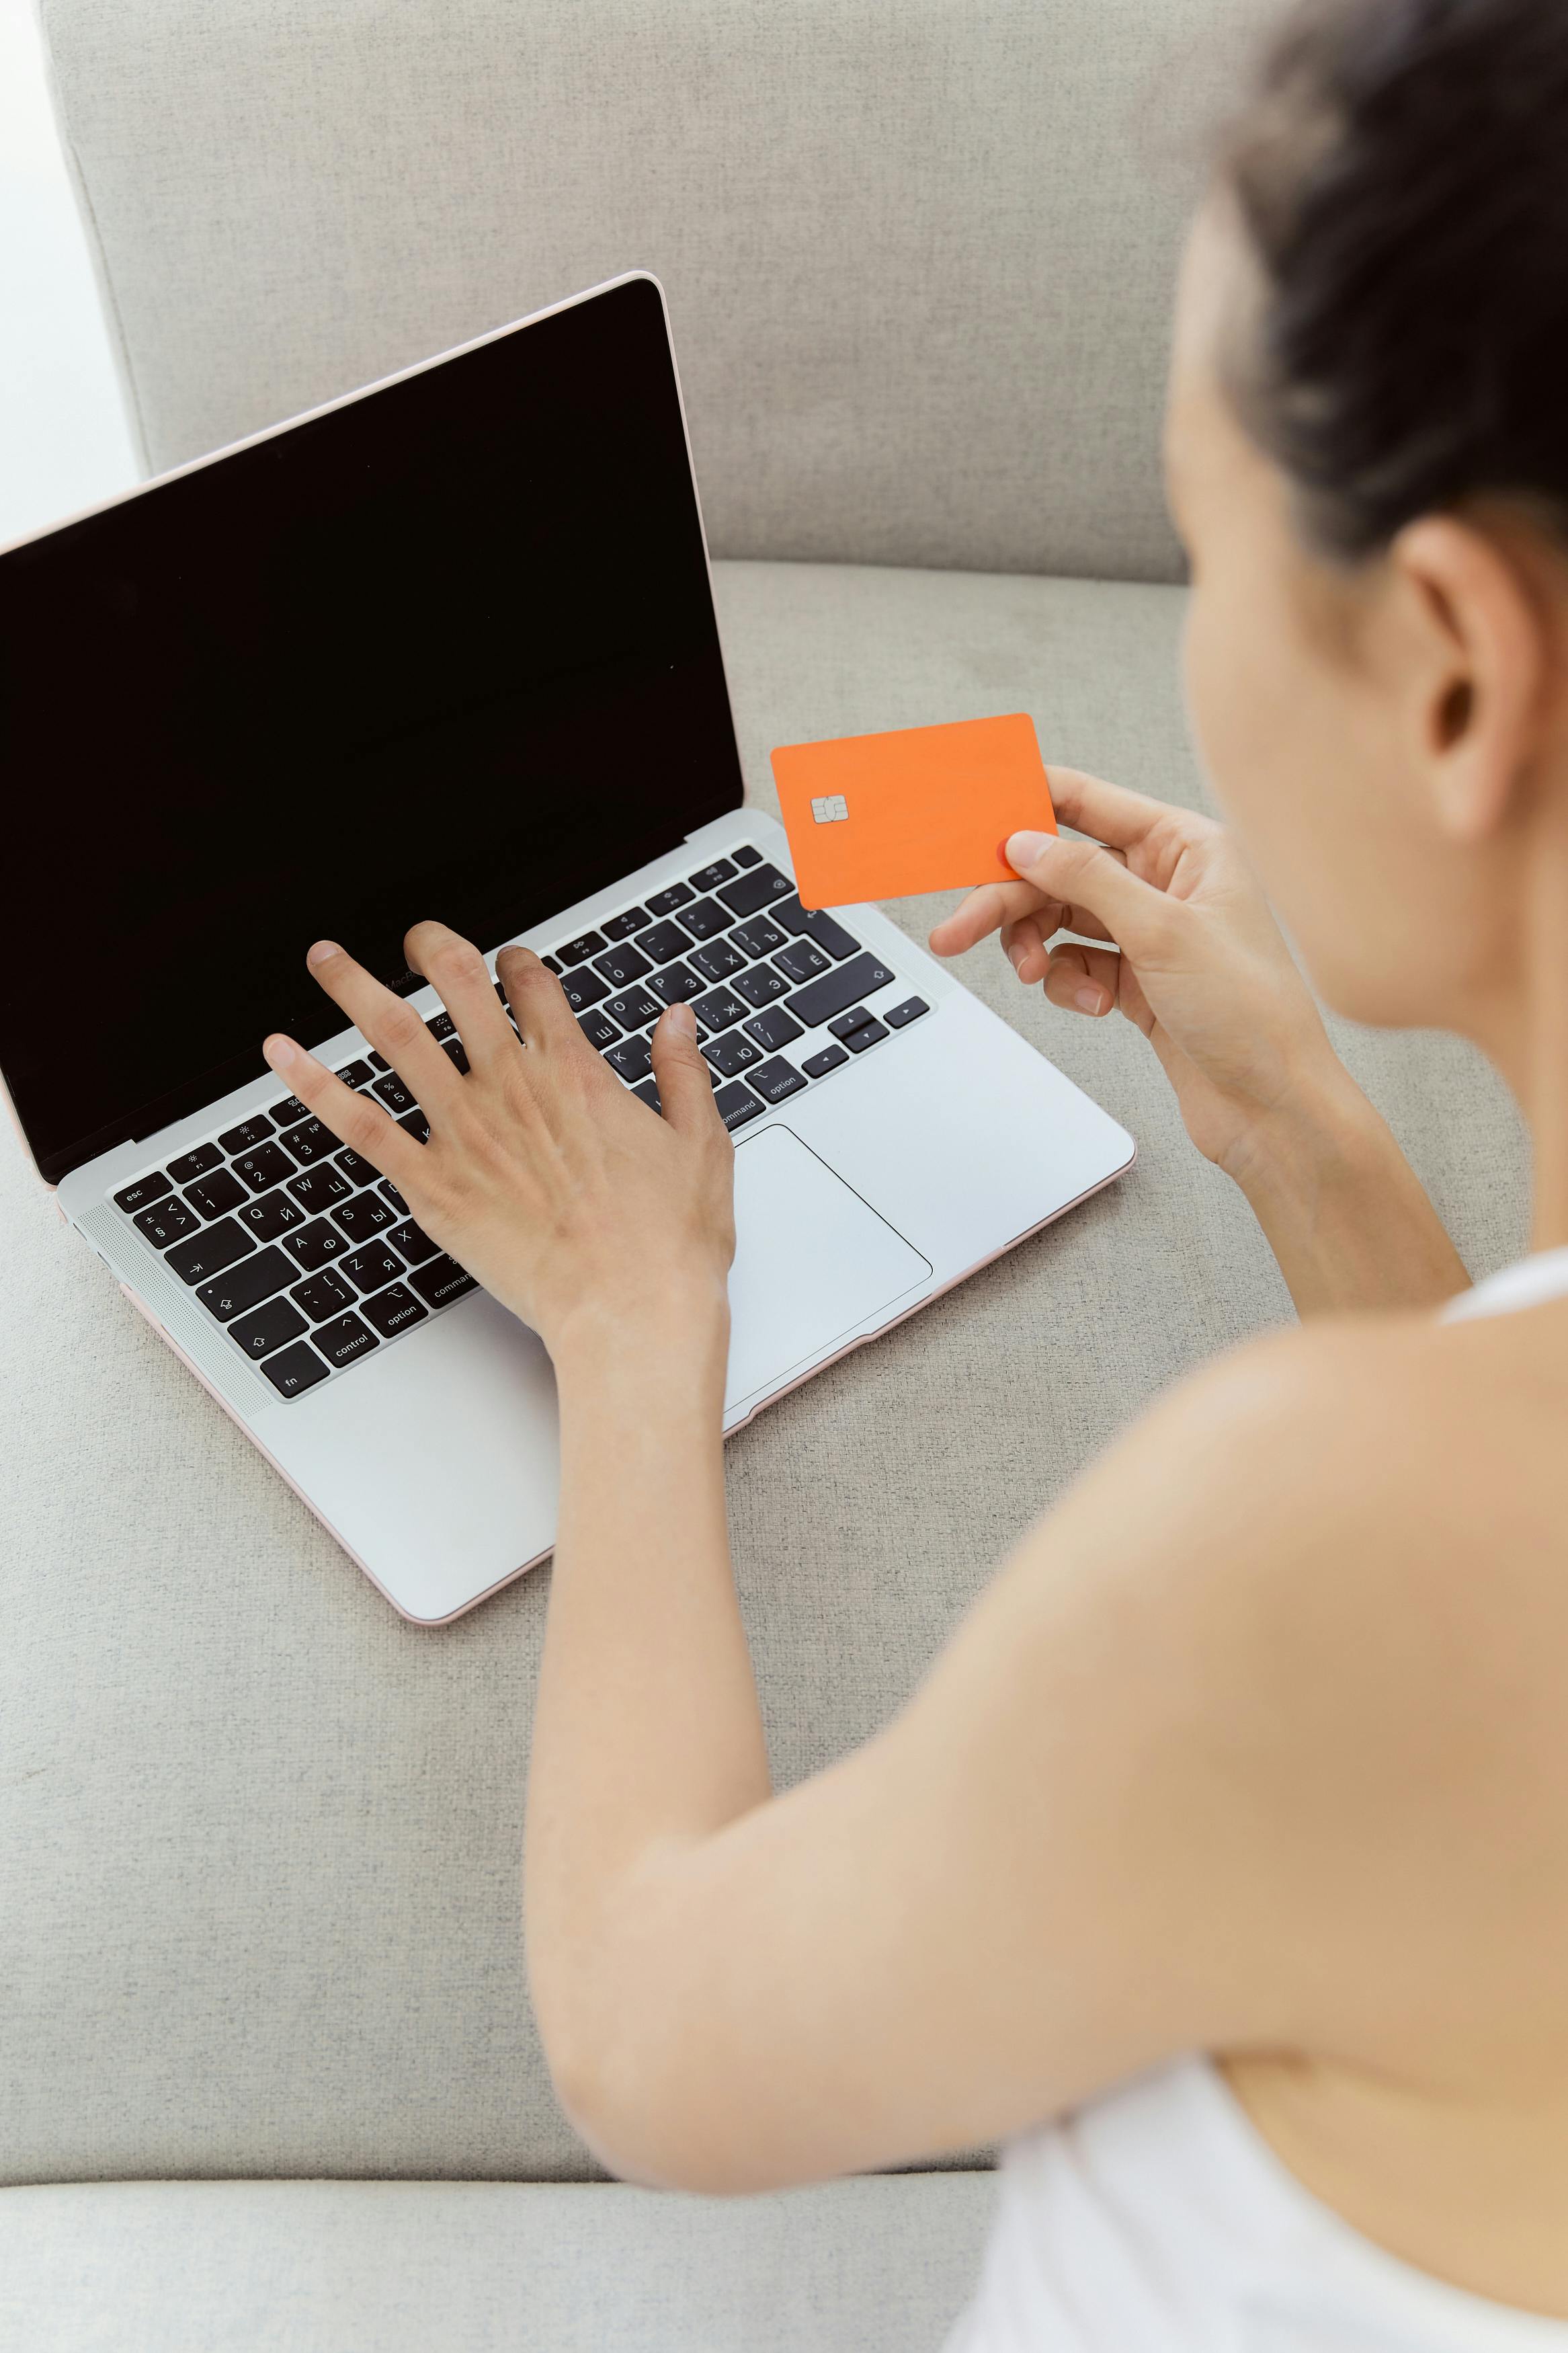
{"x":831,"y":809}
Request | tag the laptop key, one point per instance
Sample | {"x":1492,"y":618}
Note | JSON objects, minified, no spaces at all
{"x":346,"y":1337}
{"x":364,"y":1216}
{"x":318,"y":1188}
{"x":759,"y":937}
{"x":392,"y":1092}
{"x":368,"y":1269}
{"x":648,"y":1093}
{"x":755,"y":890}
{"x":819,"y":1000}
{"x":855,"y":1018}
{"x":268,"y":1328}
{"x":676,"y":985}
{"x":707,"y":918}
{"x":801,"y":960}
{"x":709,"y":877}
{"x":598,"y":1029}
{"x":314,"y":1244}
{"x":282,"y":1114}
{"x":746,"y":855}
{"x":621,"y":928}
{"x":389,"y":1192}
{"x":357,"y":1171}
{"x":456,"y":1054}
{"x":267,"y":1165}
{"x":774,"y":1029}
{"x":246,"y":1284}
{"x":899,"y":1017}
{"x":664,"y":942}
{"x":717,"y":1009}
{"x":776,"y":1080}
{"x":415,"y":1124}
{"x":272,"y":1215}
{"x":761,"y":985}
{"x":249,"y":1132}
{"x":322,"y":1295}
{"x":310,"y":1141}
{"x":737,"y":1105}
{"x":414,"y":1242}
{"x":816,"y":1066}
{"x":197,"y":1163}
{"x":620,"y":966}
{"x":858,"y":1039}
{"x":215,"y":1195}
{"x":732,"y":1053}
{"x":584,"y":988}
{"x":631,"y":1059}
{"x":441,"y":1026}
{"x":166,"y":1221}
{"x":665,"y":903}
{"x":815,"y":924}
{"x":552,"y":964}
{"x":442,"y":1281}
{"x":635,"y":1010}
{"x":392,"y":1310}
{"x":717,"y":961}
{"x":579,"y":950}
{"x":209,"y":1252}
{"x":296,"y":1370}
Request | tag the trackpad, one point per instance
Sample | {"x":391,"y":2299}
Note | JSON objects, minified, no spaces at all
{"x":813,"y":1263}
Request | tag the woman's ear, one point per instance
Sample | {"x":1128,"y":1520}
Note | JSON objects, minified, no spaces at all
{"x":1477,"y":689}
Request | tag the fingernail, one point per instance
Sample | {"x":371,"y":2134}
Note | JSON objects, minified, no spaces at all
{"x":1024,"y":849}
{"x":1015,"y":959}
{"x":321,"y":951}
{"x":682,"y":1017}
{"x":282,"y":1053}
{"x":1089,"y":1000}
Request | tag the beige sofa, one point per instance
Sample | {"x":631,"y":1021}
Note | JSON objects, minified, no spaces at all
{"x":270,"y":2078}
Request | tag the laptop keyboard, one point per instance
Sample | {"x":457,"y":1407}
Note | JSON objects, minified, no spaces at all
{"x":309,"y":1259}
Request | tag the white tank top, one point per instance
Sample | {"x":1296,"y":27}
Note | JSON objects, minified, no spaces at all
{"x":1160,"y":2221}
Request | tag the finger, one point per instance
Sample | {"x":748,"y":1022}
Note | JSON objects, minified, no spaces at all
{"x":986,"y":910}
{"x":1083,"y":980}
{"x":544,"y":1019}
{"x":1110,"y":812}
{"x":390,"y":1023}
{"x":685,"y":1088}
{"x":1093,"y":881}
{"x":355,"y":1120}
{"x":1024,"y":945}
{"x":457,"y":972}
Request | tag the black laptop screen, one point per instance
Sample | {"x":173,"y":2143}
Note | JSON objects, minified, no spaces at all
{"x":447,"y":651}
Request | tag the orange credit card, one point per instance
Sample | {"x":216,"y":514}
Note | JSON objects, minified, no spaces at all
{"x":922,"y":808}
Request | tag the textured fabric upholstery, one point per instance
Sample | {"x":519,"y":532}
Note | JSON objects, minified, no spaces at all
{"x":259,"y":1853}
{"x":868,"y":2266}
{"x":918,"y":258}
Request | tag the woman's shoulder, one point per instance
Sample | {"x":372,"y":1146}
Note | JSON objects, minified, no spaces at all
{"x":1340,"y":1485}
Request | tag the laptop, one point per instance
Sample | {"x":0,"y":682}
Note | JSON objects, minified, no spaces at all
{"x":447,"y":647}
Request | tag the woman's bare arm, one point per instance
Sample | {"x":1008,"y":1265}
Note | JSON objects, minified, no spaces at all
{"x":1155,"y":1774}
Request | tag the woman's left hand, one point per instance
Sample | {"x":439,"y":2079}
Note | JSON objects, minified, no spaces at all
{"x":571,"y":1201}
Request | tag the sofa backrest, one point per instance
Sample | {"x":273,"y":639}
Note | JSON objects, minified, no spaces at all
{"x":919,"y":253}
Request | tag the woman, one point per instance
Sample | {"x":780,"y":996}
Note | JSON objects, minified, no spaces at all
{"x":1258,"y":1747}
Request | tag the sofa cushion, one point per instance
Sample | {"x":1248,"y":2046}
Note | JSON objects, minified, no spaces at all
{"x":259,"y":1843}
{"x":918,"y":258}
{"x":877,"y":2265}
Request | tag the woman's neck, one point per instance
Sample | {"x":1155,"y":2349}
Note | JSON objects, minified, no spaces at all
{"x":1525,"y":1028}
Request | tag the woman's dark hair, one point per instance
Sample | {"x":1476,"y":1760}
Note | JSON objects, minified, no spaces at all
{"x":1401,"y":174}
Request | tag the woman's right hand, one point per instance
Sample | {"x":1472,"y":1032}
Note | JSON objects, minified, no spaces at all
{"x":1191,"y":955}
